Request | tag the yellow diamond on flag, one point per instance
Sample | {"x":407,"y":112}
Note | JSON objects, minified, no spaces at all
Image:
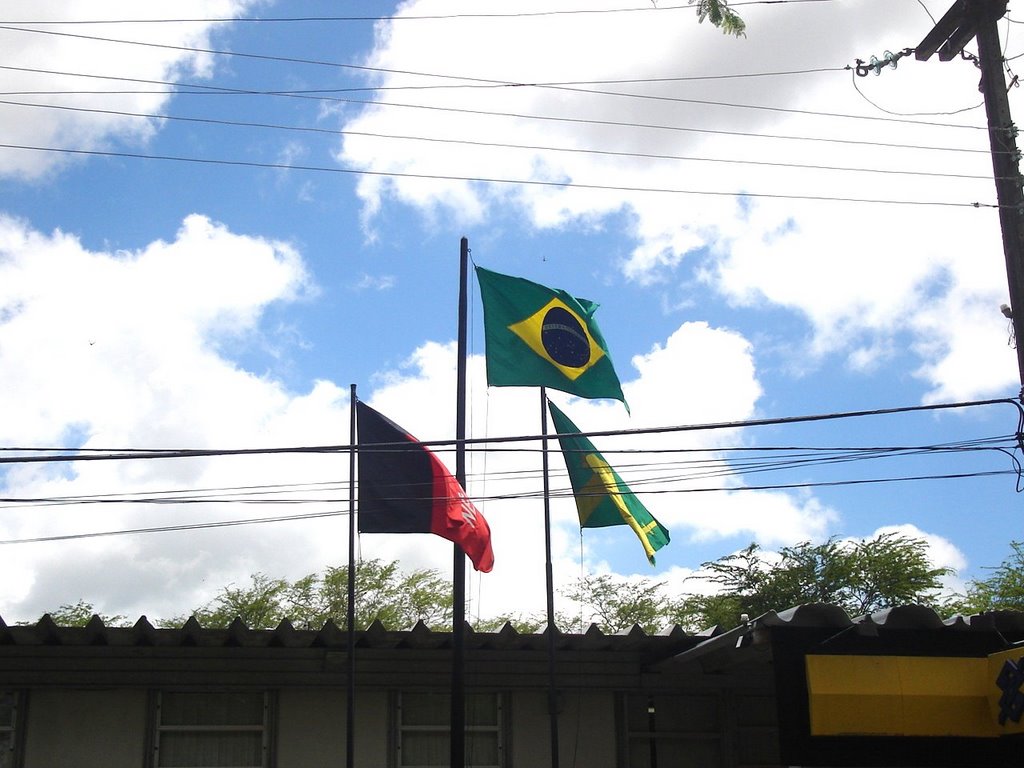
{"x":559,"y":335}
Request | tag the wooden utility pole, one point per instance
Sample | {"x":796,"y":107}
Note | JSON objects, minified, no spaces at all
{"x":968,"y":19}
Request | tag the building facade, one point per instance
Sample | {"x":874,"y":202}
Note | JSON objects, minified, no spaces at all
{"x":143,"y":697}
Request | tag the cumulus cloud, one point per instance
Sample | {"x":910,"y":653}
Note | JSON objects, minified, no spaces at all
{"x":673,"y":132}
{"x":51,"y":69}
{"x":146,"y":348}
{"x":661,"y":392}
{"x":127,"y":350}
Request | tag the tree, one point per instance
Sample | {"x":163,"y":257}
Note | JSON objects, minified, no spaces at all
{"x":720,"y":15}
{"x":860,"y":577}
{"x":383,"y":592}
{"x":523,"y":624}
{"x":615,"y":604}
{"x":79,"y":614}
{"x":1002,"y":591}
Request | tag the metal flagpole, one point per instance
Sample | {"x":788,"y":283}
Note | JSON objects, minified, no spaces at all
{"x":458,"y":712}
{"x":550,"y":583}
{"x":350,"y":619}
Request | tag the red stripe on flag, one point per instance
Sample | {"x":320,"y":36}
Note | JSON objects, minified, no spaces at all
{"x":456,"y":518}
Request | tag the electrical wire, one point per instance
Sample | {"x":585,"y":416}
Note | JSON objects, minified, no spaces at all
{"x":493,"y":144}
{"x":409,"y":17}
{"x":496,"y":180}
{"x":487,"y":82}
{"x":880,"y":108}
{"x":806,"y":457}
{"x":59,"y":454}
{"x":555,"y":493}
{"x":710,"y":462}
{"x":207,"y":90}
{"x":523,"y":116}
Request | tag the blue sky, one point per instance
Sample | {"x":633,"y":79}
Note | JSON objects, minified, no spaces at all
{"x":767,"y":234}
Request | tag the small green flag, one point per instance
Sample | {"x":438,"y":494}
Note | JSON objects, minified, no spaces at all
{"x":543,"y":337}
{"x":601,"y":497}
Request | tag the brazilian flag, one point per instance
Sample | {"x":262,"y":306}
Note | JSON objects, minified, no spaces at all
{"x":543,"y":337}
{"x":602,"y":498}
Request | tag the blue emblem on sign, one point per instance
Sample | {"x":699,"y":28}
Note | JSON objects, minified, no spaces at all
{"x":1011,"y":683}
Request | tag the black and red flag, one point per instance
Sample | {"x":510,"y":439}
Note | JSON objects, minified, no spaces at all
{"x":404,"y":488}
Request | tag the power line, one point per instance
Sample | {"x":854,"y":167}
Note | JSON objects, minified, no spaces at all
{"x":218,"y":91}
{"x":494,"y":180}
{"x":171,"y":528}
{"x":710,"y":463}
{"x":510,"y":497}
{"x":58,"y":454}
{"x":642,"y":485}
{"x":494,"y":144}
{"x":493,"y":83}
{"x":880,"y":108}
{"x":203,"y":89}
{"x":404,"y":17}
{"x":483,"y":84}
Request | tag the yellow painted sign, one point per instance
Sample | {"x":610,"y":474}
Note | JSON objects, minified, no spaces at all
{"x":916,"y":695}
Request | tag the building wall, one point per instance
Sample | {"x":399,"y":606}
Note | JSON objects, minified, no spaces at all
{"x":586,"y":729}
{"x":312,"y":728}
{"x":86,"y":728}
{"x":108,"y":728}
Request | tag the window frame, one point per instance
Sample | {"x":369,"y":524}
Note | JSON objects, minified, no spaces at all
{"x":14,"y":727}
{"x":266,"y":728}
{"x":641,"y":728}
{"x":499,"y":728}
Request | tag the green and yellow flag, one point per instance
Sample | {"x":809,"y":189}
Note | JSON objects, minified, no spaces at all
{"x":543,"y":337}
{"x":601,"y":497}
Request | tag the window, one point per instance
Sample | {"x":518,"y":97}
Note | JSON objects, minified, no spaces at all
{"x":678,"y":730}
{"x":199,"y":729}
{"x":423,"y":730}
{"x":8,"y":723}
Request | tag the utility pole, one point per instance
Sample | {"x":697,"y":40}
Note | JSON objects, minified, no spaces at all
{"x":978,"y":18}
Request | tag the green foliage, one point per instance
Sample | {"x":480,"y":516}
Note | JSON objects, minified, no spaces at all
{"x":860,"y":577}
{"x":892,"y":570}
{"x":720,"y":15}
{"x":524,"y":625}
{"x":383,"y":592}
{"x":79,"y":614}
{"x":615,"y":604}
{"x":1002,"y":591}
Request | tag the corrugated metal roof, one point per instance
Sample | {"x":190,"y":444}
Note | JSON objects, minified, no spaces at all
{"x":46,"y":632}
{"x":904,"y":619}
{"x":285,"y":635}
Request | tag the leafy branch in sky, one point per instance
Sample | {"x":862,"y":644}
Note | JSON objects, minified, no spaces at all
{"x":859,"y":576}
{"x":1002,"y":591}
{"x":720,"y":15}
{"x":383,"y":592}
{"x":615,"y":604}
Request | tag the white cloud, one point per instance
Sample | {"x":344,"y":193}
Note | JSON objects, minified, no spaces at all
{"x":822,"y":260}
{"x":164,"y":574}
{"x":131,"y":356}
{"x":55,"y":67}
{"x":662,"y":390}
{"x":374,"y":282}
{"x":121,"y":350}
{"x":106,"y":339}
{"x":141,"y":348}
